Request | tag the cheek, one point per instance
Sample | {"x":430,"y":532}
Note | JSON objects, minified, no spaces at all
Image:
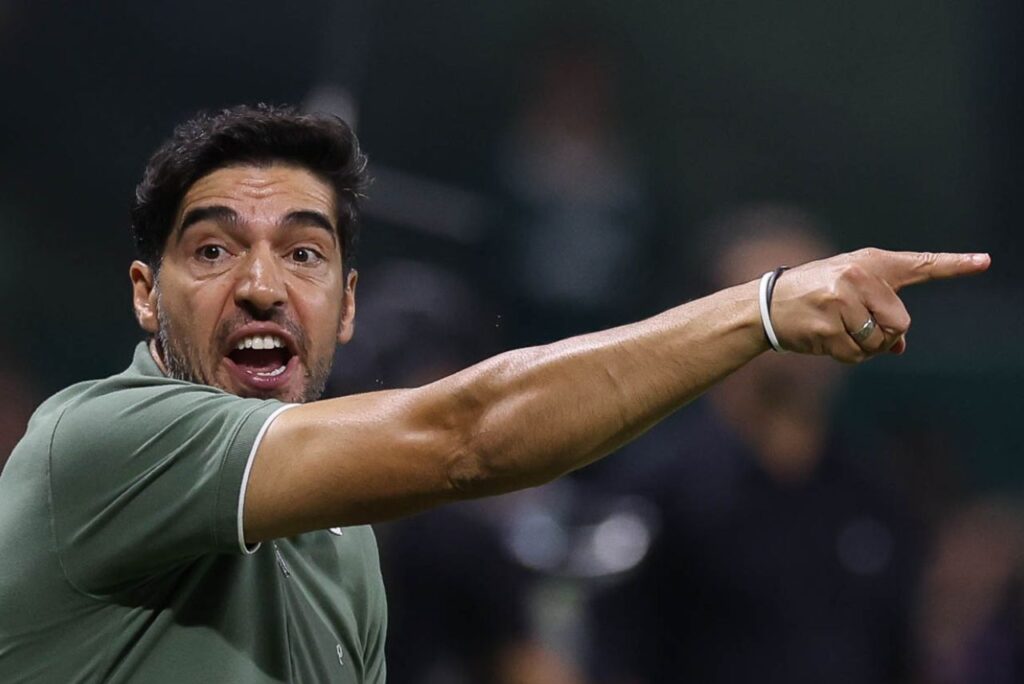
{"x":320,"y":314}
{"x":196,"y":311}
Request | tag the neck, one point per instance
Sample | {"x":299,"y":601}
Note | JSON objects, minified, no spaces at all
{"x":154,"y":351}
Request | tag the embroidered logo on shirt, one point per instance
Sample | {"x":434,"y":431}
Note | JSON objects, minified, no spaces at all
{"x":341,"y":660}
{"x":336,"y":531}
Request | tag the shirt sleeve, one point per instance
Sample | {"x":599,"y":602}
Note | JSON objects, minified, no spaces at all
{"x":146,"y":478}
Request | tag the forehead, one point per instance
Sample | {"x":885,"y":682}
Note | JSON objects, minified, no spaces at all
{"x":260,"y":192}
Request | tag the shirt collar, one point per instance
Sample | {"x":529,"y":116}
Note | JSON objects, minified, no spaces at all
{"x":143,"y":363}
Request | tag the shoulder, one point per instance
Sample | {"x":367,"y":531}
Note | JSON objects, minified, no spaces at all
{"x":128,"y":409}
{"x":110,"y":435}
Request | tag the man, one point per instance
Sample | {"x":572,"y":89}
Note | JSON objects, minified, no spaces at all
{"x":778,"y":557}
{"x":199,"y":516}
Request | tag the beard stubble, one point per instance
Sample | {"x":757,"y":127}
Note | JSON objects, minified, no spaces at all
{"x":182,"y":358}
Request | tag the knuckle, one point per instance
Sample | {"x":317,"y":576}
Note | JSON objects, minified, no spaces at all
{"x":869,"y":253}
{"x":833,"y":291}
{"x":823,"y":329}
{"x":854,"y":273}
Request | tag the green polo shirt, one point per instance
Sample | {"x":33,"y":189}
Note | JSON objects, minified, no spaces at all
{"x":122,"y":556}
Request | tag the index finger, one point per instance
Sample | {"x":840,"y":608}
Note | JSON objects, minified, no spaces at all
{"x":900,"y":269}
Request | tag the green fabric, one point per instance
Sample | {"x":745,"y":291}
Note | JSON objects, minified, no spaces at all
{"x":120,"y":558}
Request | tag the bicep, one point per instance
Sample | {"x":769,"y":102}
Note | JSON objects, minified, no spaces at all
{"x":353,"y":460}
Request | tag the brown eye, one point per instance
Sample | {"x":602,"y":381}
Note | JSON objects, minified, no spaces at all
{"x":210,"y":252}
{"x":305,"y":255}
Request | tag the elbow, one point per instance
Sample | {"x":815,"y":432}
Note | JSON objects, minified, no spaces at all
{"x":467,"y":476}
{"x":472,"y":468}
{"x":480,"y":461}
{"x":448,"y":432}
{"x":469,"y":472}
{"x":481,"y":469}
{"x":472,"y":474}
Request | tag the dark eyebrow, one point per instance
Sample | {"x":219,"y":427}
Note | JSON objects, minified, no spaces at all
{"x":222,"y":214}
{"x":311,"y":218}
{"x":216,"y":212}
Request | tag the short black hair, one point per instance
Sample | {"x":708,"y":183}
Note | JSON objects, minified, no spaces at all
{"x":258,"y":134}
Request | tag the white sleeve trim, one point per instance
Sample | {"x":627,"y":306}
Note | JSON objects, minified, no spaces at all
{"x":246,"y":549}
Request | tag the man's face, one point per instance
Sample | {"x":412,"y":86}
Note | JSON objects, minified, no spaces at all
{"x":250,"y":295}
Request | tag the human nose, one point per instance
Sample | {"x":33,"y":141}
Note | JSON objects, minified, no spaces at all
{"x":261,"y":283}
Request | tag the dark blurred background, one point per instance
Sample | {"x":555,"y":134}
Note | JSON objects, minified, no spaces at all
{"x":544,"y":169}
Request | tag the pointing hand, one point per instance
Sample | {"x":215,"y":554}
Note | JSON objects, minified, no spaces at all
{"x":827,"y":307}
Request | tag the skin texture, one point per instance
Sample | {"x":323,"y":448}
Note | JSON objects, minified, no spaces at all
{"x":516,"y":420}
{"x":246,"y":266}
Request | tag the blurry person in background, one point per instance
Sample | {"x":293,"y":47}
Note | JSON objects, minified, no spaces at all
{"x":970,"y":620}
{"x":778,"y":557}
{"x":448,"y":571}
{"x":575,"y":250}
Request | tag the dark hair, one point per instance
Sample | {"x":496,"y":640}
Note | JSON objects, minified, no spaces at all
{"x":260,"y":134}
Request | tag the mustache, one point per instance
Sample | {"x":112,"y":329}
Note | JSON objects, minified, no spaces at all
{"x":227,"y":327}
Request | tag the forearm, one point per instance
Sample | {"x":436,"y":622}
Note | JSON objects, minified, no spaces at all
{"x":533,"y":414}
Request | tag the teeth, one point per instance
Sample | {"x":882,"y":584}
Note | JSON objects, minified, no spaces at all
{"x":272,"y":374}
{"x":260,"y":342}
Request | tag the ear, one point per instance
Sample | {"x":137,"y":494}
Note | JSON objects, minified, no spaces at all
{"x":144,"y":296}
{"x":346,"y":327}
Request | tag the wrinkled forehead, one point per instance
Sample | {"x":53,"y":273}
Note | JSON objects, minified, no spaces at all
{"x":260,"y":193}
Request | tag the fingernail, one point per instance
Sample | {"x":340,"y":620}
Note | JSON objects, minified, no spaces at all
{"x":979,"y":258}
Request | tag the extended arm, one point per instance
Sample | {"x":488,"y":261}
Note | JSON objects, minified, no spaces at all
{"x":530,"y":415}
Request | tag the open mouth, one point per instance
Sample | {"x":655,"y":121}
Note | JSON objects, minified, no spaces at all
{"x":261,"y":359}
